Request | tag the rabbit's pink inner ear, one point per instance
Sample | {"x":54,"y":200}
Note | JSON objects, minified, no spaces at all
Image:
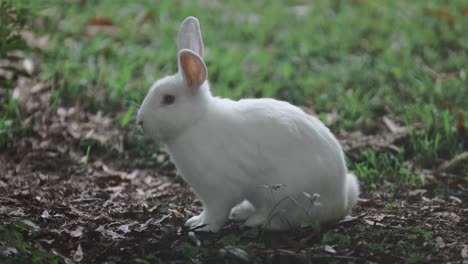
{"x":193,"y":69}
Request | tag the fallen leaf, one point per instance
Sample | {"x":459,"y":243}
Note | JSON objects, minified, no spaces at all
{"x":379,"y":217}
{"x":28,"y":65}
{"x":78,"y":255}
{"x":160,"y":220}
{"x":453,"y":162}
{"x":329,"y":249}
{"x":144,"y":226}
{"x":30,"y":223}
{"x":7,"y":251}
{"x":373,"y":223}
{"x":464,"y":10}
{"x":144,"y":17}
{"x":455,"y":181}
{"x":45,"y":214}
{"x":441,"y":13}
{"x":417,"y":192}
{"x":164,"y":186}
{"x":18,"y":213}
{"x":393,"y":127}
{"x":78,"y":232}
{"x":100,"y":21}
{"x":464,"y":252}
{"x":332,"y":117}
{"x":237,"y":252}
{"x":460,"y":122}
{"x":369,"y":202}
{"x":349,"y":218}
{"x":106,"y":232}
{"x":112,"y":197}
{"x":132,"y":175}
{"x":439,"y":242}
{"x":124,"y":228}
{"x":455,"y":199}
{"x":358,"y":141}
{"x":79,"y":212}
{"x":41,"y":42}
{"x":111,"y":178}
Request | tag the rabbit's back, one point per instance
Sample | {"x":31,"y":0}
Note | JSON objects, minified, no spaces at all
{"x":256,"y":142}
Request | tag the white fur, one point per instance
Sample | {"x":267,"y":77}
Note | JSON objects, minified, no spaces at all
{"x":264,"y":151}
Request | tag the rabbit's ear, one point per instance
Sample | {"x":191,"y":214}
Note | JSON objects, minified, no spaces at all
{"x":190,"y":36}
{"x":192,"y":68}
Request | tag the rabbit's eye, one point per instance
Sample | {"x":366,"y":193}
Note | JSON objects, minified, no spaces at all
{"x":168,"y":99}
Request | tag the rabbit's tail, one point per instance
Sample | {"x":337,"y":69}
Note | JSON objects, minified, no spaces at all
{"x":352,"y":191}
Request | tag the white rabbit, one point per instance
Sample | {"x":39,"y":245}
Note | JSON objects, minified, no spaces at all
{"x":268,"y":157}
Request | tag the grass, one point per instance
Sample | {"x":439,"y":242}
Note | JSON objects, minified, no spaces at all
{"x":20,"y":249}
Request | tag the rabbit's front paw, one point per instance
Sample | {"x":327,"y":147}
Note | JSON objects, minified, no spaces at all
{"x":195,"y":221}
{"x":242,"y":211}
{"x":205,"y":226}
{"x":210,"y":220}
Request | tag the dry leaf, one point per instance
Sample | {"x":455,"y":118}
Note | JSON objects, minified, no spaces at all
{"x":441,"y":13}
{"x":144,"y":17}
{"x":28,"y":65}
{"x":373,"y":223}
{"x":45,"y":214}
{"x":30,"y":223}
{"x":39,"y":87}
{"x":455,"y":199}
{"x":111,"y":178}
{"x":460,"y":122}
{"x":329,"y":249}
{"x":332,"y":117}
{"x":369,"y":202}
{"x":78,"y":255}
{"x":455,"y":181}
{"x":106,"y":232}
{"x":124,"y":229}
{"x":451,"y":163}
{"x":449,"y":216}
{"x":464,"y":10}
{"x":144,"y":226}
{"x":77,"y":232}
{"x":100,"y":21}
{"x":464,"y":252}
{"x":237,"y":252}
{"x":393,"y":127}
{"x":417,"y":192}
{"x":440,"y":242}
{"x":113,"y":172}
{"x":33,"y":40}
